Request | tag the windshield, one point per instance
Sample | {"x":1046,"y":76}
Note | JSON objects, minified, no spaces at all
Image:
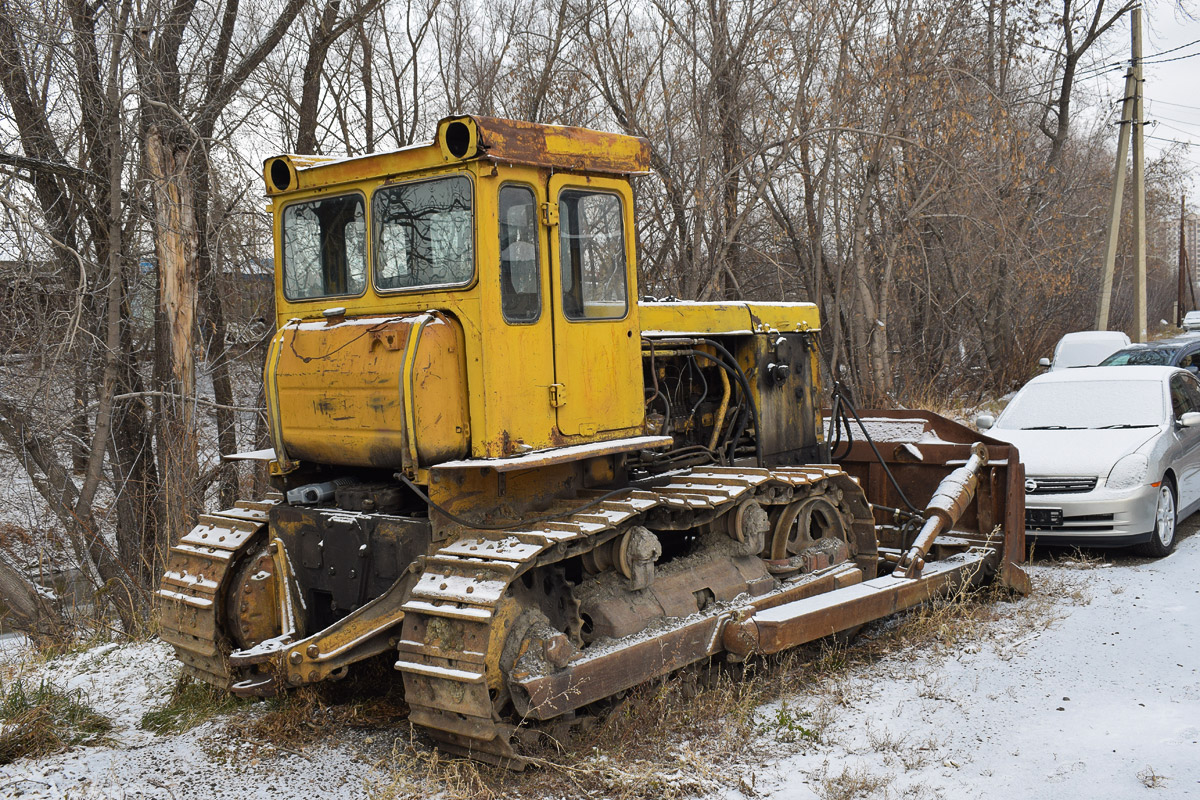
{"x":1155,"y":356}
{"x":423,"y":234}
{"x":1085,"y":404}
{"x":1085,"y":352}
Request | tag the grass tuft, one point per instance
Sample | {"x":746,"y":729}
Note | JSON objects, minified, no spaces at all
{"x":789,"y":725}
{"x":43,"y":719}
{"x":191,"y":703}
{"x":852,"y":783}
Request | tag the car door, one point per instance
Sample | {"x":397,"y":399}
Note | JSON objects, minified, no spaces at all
{"x":1185,"y":397}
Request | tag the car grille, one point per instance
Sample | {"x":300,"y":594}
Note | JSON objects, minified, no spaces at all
{"x":1083,"y":522}
{"x":1060,"y":485}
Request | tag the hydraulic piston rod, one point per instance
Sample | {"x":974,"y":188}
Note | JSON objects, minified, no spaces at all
{"x":953,"y":495}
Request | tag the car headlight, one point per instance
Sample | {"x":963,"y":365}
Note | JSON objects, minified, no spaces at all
{"x":1129,"y":472}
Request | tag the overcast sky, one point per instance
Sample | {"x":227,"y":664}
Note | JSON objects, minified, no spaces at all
{"x":1172,"y":87}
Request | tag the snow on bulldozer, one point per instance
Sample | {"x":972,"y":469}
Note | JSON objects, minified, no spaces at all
{"x":532,"y":491}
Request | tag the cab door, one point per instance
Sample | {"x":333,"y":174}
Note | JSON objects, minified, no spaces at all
{"x":597,"y":340}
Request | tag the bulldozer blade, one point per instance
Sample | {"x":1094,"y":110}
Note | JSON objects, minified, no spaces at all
{"x":920,"y":449}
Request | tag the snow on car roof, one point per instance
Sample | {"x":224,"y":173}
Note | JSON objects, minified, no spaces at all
{"x":1093,"y":336}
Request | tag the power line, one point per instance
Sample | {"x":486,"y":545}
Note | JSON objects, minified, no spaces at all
{"x":1172,"y":141}
{"x":1169,"y":60}
{"x":1173,"y":128}
{"x":1173,"y":49}
{"x":1096,"y":71}
{"x":1177,"y":121}
{"x":1176,"y":105}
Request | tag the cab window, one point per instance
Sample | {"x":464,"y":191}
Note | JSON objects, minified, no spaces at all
{"x":520,"y":287}
{"x":423,"y":234}
{"x":324,"y":248}
{"x":592,"y":255}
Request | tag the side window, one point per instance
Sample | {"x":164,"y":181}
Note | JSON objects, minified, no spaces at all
{"x":591,"y":235}
{"x":1183,"y":396}
{"x":1191,"y":390}
{"x":324,"y":248}
{"x":1191,"y":362}
{"x":520,"y":284}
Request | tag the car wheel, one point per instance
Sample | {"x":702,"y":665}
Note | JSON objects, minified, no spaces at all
{"x":1162,"y":541}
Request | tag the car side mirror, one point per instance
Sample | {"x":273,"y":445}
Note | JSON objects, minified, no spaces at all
{"x":1190,"y":419}
{"x":986,"y":421}
{"x":1043,"y":362}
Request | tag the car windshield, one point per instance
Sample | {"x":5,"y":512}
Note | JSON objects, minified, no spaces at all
{"x":1085,"y":352}
{"x":1085,"y":404}
{"x":1154,"y":356}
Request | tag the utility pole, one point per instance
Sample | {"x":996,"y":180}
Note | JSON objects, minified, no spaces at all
{"x":1114,"y":206}
{"x":1131,"y":118}
{"x":1183,"y":270}
{"x":1139,"y":176}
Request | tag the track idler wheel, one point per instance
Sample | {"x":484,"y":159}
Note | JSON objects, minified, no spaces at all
{"x":806,"y":522}
{"x":252,"y":611}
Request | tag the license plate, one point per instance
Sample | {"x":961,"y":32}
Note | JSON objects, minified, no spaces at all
{"x":1043,"y":517}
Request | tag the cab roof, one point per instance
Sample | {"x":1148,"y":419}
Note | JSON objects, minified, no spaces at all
{"x":470,"y":138}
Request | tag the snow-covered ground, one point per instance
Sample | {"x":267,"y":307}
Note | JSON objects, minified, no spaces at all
{"x":1090,"y":688}
{"x":1103,"y":702}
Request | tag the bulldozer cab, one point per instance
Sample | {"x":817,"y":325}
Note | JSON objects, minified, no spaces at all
{"x":517,"y":238}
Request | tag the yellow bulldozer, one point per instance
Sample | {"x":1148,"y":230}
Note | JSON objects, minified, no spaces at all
{"x":495,"y":464}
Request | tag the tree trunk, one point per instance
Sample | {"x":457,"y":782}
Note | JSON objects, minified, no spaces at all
{"x":175,"y":244}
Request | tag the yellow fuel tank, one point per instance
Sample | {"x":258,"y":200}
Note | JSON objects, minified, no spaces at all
{"x":369,"y":392}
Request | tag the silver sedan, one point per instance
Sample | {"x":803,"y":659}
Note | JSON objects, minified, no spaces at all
{"x":1111,"y":454}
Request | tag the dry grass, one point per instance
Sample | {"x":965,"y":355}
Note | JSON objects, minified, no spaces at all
{"x":415,"y":770}
{"x":41,"y":720}
{"x":1073,"y":558}
{"x":852,"y":783}
{"x":371,"y":698}
{"x":1151,"y":779}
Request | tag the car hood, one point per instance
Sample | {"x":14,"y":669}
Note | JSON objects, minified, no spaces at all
{"x":1071,"y":452}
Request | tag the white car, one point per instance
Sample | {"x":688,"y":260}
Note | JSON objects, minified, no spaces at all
{"x":1111,"y":454}
{"x":1085,"y":349}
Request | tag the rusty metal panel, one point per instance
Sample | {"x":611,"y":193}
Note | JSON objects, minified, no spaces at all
{"x":807,"y":620}
{"x":703,"y":319}
{"x":598,"y":676}
{"x":558,"y":146}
